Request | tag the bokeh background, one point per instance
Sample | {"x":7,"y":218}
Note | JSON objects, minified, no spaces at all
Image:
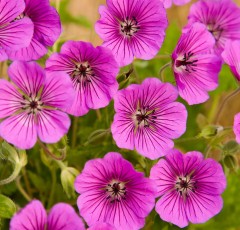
{"x":89,"y":136}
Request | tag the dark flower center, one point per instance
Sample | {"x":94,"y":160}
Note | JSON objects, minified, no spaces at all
{"x":82,"y":73}
{"x":129,"y":26}
{"x":32,"y":104}
{"x":187,"y":62}
{"x":116,"y":191}
{"x":185,"y":185}
{"x":216,"y":31}
{"x":145,"y":117}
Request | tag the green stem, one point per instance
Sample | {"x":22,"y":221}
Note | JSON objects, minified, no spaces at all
{"x":61,"y":164}
{"x":57,"y":6}
{"x":54,"y":182}
{"x":74,"y":132}
{"x":22,"y":191}
{"x":162,"y":70}
{"x":224,"y":103}
{"x":13,"y":176}
{"x":27,"y":183}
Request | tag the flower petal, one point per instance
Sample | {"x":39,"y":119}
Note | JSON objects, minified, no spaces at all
{"x":28,"y":76}
{"x":52,"y":125}
{"x":19,"y":130}
{"x":10,"y":99}
{"x":236,"y":127}
{"x":32,"y":216}
{"x":17,"y":34}
{"x":63,"y":217}
{"x":3,"y":55}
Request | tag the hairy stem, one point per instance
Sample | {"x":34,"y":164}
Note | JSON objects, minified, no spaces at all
{"x":13,"y":176}
{"x":22,"y":191}
{"x":162,"y":70}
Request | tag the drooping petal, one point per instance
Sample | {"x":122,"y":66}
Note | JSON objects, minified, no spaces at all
{"x":236,"y":127}
{"x":58,"y":91}
{"x":52,"y":125}
{"x":31,"y":217}
{"x":10,"y":9}
{"x":47,"y":26}
{"x":171,"y":208}
{"x":232,"y":57}
{"x":63,"y":217}
{"x":17,"y":34}
{"x":29,"y":77}
{"x":19,"y":130}
{"x":10,"y":99}
{"x":33,"y":51}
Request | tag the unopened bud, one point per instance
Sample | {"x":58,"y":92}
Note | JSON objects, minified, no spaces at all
{"x":210,"y":131}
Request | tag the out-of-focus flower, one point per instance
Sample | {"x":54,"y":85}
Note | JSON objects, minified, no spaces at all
{"x":236,"y":127}
{"x":168,"y":3}
{"x":132,"y":28}
{"x":148,"y":118}
{"x":221,"y":18}
{"x":14,"y":34}
{"x":47,"y":29}
{"x":33,"y":216}
{"x":189,"y":187}
{"x":31,"y":109}
{"x":195,"y":68}
{"x":113,"y":192}
{"x":231,"y":56}
{"x":93,"y":72}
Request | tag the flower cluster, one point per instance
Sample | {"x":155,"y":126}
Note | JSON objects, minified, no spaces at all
{"x":36,"y":101}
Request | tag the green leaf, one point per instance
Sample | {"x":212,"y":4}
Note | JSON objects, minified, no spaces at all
{"x":7,"y":207}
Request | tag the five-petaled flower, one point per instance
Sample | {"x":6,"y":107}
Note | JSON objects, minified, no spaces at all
{"x":220,"y":17}
{"x":148,"y":118}
{"x":31,"y":108}
{"x":93,"y":73}
{"x":14,"y":34}
{"x":189,"y":187}
{"x":195,"y":68}
{"x":132,"y":28}
{"x":113,"y":192}
{"x":47,"y":29}
{"x":33,"y":216}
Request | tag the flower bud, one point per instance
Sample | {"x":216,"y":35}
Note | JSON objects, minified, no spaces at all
{"x":210,"y":131}
{"x":68,"y":176}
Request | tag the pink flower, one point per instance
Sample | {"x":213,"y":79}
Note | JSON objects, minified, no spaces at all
{"x":93,"y":73}
{"x":47,"y":29}
{"x":189,"y":188}
{"x":14,"y":34}
{"x":231,"y":56}
{"x":113,"y":192}
{"x":221,"y":18}
{"x":148,"y":118}
{"x":236,"y":127}
{"x":195,"y":68}
{"x":168,"y":3}
{"x":33,"y":216}
{"x":31,"y":108}
{"x":102,"y":226}
{"x":132,"y":28}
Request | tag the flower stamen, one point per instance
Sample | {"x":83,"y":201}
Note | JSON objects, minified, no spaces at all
{"x":116,"y":191}
{"x":129,"y":26}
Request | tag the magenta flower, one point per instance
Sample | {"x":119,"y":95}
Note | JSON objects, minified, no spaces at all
{"x":47,"y":29}
{"x":14,"y":34}
{"x":236,"y":127}
{"x":132,"y":28}
{"x":113,"y":192}
{"x":31,"y":109}
{"x":168,"y":3}
{"x":221,"y":17}
{"x":93,"y":72}
{"x":189,"y":187}
{"x":231,"y":56}
{"x":102,"y":226}
{"x":148,"y":118}
{"x":33,"y":216}
{"x":195,"y":68}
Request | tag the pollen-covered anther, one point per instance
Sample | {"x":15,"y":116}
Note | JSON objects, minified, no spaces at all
{"x":82,"y":73}
{"x":32,"y":104}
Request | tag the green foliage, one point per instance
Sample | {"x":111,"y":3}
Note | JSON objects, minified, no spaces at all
{"x":7,"y":207}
